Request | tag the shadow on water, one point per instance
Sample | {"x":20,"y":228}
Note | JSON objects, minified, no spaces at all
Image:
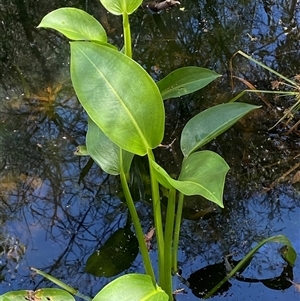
{"x":54,"y":223}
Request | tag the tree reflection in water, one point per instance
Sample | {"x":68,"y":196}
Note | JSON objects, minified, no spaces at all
{"x":60,"y":222}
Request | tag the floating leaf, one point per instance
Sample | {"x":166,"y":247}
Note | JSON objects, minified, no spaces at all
{"x":119,"y":96}
{"x":75,"y":24}
{"x":210,"y":123}
{"x":133,"y":287}
{"x":115,"y":256}
{"x":203,"y":173}
{"x":185,"y":80}
{"x":44,"y":294}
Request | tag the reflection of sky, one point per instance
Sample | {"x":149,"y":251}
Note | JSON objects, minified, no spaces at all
{"x":62,"y":222}
{"x":268,"y":219}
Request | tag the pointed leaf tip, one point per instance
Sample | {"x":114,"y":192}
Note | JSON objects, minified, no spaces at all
{"x":75,"y":24}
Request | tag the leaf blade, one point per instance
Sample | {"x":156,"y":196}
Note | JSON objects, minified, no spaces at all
{"x":185,"y":80}
{"x":210,"y":123}
{"x":133,"y":287}
{"x":118,"y":7}
{"x":119,"y":96}
{"x":75,"y":24}
{"x":207,"y":181}
{"x":106,"y":153}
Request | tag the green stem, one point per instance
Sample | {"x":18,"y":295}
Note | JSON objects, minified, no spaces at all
{"x":267,"y":68}
{"x":137,"y":226}
{"x":247,"y":258}
{"x":169,"y":227}
{"x":157,"y":220}
{"x":66,"y":287}
{"x":127,"y":35}
{"x":177,"y":232}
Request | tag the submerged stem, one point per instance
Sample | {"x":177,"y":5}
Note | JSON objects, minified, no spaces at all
{"x":169,"y":227}
{"x":177,"y":232}
{"x":138,"y":227}
{"x":157,"y":221}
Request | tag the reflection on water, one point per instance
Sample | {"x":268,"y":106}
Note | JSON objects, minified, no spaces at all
{"x":54,"y":223}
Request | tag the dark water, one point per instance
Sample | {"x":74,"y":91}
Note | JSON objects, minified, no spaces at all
{"x":54,"y":223}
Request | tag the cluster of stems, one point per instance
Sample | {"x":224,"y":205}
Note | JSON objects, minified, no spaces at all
{"x":167,"y":235}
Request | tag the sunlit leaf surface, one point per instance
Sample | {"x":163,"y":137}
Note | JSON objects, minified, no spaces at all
{"x":185,"y":80}
{"x":75,"y":24}
{"x":44,"y":294}
{"x":210,"y":123}
{"x":118,"y":7}
{"x":203,"y":173}
{"x":119,"y":96}
{"x":106,"y":153}
{"x":131,"y":287}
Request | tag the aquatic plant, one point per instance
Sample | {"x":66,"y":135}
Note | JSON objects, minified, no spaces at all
{"x":283,"y":86}
{"x":126,"y":118}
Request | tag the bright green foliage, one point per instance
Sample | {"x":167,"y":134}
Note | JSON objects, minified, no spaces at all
{"x":185,"y":80}
{"x":202,"y":173}
{"x":75,"y":24}
{"x":126,"y":118}
{"x":131,"y":287}
{"x":110,"y":157}
{"x":119,"y":7}
{"x":44,"y":294}
{"x":119,"y":96}
{"x":210,"y":123}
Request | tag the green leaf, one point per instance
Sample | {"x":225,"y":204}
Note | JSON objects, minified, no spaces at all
{"x":185,"y":80}
{"x":118,"y":7}
{"x":115,"y":256}
{"x":75,"y":24}
{"x":132,"y":287}
{"x":81,"y":150}
{"x":106,"y":153}
{"x":202,"y":173}
{"x":44,"y":294}
{"x":119,"y":96}
{"x":64,"y":286}
{"x":290,"y":257}
{"x":210,"y":123}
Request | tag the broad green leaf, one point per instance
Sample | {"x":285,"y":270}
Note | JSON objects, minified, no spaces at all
{"x":185,"y":80}
{"x":44,"y":294}
{"x":210,"y":123}
{"x":202,"y":173}
{"x":75,"y":24}
{"x":106,"y":153}
{"x":118,"y":7}
{"x":119,"y":96}
{"x":132,"y":287}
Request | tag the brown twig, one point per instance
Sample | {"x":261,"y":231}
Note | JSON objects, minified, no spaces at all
{"x":281,"y":178}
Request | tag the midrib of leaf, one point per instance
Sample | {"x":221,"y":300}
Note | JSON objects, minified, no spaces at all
{"x":120,"y":101}
{"x":196,"y":80}
{"x":208,"y":137}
